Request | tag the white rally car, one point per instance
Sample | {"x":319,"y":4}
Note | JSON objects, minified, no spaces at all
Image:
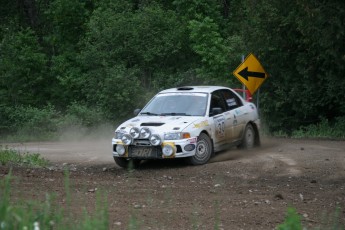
{"x":192,"y":122}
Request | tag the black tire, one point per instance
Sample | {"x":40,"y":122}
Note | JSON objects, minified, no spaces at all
{"x":127,"y":163}
{"x":203,"y":151}
{"x":248,"y":140}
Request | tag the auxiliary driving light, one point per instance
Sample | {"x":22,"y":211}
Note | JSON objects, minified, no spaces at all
{"x":145,"y":133}
{"x":126,"y":139}
{"x":134,"y":132}
{"x":120,"y":149}
{"x":155,"y":140}
{"x":168,"y":150}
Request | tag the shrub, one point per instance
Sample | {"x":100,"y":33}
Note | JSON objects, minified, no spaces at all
{"x":11,"y":156}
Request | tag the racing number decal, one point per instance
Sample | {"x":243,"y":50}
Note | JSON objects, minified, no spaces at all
{"x":219,"y":123}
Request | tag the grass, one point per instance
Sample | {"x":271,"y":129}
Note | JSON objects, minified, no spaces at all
{"x":47,"y":215}
{"x":14,"y":157}
{"x":292,"y":221}
{"x":323,"y":129}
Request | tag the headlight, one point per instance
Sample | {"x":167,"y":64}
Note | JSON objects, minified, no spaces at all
{"x":172,"y":136}
{"x":118,"y":135}
{"x":145,"y":133}
{"x":120,"y":149}
{"x":155,"y":140}
{"x":126,"y":139}
{"x":134,"y":132}
{"x":168,"y":150}
{"x":176,"y":136}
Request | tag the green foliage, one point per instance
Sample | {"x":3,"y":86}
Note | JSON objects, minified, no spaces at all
{"x":22,"y":69}
{"x":13,"y":157}
{"x":28,"y":121}
{"x":304,"y":83}
{"x":82,"y":115}
{"x":112,"y":56}
{"x":323,"y":129}
{"x":292,"y":221}
{"x":67,"y":20}
{"x":208,"y":43}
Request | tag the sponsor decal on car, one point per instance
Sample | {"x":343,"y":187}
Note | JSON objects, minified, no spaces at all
{"x":219,"y":123}
{"x":192,"y":140}
{"x":201,"y":124}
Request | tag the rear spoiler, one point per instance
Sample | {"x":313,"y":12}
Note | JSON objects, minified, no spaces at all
{"x":245,"y":94}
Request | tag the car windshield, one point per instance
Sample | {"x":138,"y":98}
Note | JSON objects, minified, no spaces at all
{"x":177,"y":104}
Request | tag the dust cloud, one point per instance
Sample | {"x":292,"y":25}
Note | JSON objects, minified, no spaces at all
{"x":267,"y":144}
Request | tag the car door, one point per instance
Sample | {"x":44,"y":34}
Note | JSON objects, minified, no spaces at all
{"x":236,"y":117}
{"x":219,"y":120}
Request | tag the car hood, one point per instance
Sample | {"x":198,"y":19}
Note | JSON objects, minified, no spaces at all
{"x":160,"y":123}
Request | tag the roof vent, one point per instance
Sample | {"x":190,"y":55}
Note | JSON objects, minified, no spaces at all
{"x":185,"y":88}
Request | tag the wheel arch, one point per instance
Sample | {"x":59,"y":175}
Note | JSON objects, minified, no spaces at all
{"x":212,"y":142}
{"x":257,"y":141}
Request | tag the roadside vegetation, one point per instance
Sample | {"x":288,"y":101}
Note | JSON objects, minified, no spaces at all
{"x":13,"y":157}
{"x":73,"y":63}
{"x":324,"y":129}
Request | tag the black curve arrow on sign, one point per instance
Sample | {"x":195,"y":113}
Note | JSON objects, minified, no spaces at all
{"x":245,"y":74}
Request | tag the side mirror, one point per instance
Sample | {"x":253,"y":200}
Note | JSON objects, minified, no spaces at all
{"x":136,"y":112}
{"x":216,"y":111}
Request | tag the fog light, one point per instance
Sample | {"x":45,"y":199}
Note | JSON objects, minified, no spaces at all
{"x":168,"y":150}
{"x":155,"y":140}
{"x":189,"y":147}
{"x":118,"y":135}
{"x":126,"y":139}
{"x":134,"y":132}
{"x":120,"y":149}
{"x":145,"y":133}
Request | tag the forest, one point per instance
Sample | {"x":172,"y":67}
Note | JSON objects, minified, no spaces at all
{"x":83,"y":63}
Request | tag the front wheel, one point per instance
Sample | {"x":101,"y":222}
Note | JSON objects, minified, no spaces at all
{"x":248,"y":140}
{"x":203,"y":150}
{"x":126,"y":162}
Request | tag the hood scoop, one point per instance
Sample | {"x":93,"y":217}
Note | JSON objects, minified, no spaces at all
{"x":151,"y":124}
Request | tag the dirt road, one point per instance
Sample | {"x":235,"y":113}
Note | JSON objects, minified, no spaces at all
{"x":237,"y":190}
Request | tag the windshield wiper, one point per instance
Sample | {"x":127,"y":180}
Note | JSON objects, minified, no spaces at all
{"x":175,"y":114}
{"x":149,"y":113}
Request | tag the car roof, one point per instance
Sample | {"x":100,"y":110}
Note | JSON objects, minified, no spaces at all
{"x":194,"y":89}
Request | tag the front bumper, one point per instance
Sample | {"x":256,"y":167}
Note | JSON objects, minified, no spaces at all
{"x":142,"y":149}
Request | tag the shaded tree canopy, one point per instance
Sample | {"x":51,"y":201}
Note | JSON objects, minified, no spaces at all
{"x":114,"y":55}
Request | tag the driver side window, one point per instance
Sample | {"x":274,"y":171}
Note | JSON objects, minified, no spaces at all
{"x":217,"y":101}
{"x":232,"y":100}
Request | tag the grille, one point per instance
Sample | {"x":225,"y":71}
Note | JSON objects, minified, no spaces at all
{"x":141,"y":142}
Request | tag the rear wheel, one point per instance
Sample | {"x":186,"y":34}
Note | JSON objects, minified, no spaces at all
{"x":203,"y":150}
{"x":126,"y":162}
{"x":248,"y":140}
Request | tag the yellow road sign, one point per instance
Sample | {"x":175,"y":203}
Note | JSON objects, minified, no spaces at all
{"x":251,"y":73}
